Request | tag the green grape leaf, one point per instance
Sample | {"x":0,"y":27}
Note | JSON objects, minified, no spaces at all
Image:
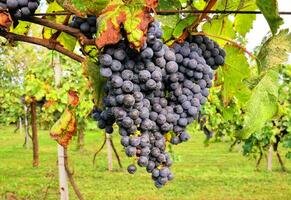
{"x":199,"y":4}
{"x":269,"y":8}
{"x":227,"y":5}
{"x":220,"y":25}
{"x":235,"y":70}
{"x":244,"y":23}
{"x":22,"y":28}
{"x":168,"y":22}
{"x":274,"y":51}
{"x":262,"y":105}
{"x":178,"y":31}
{"x":97,"y":82}
{"x":134,"y":17}
{"x":84,"y":7}
{"x":169,"y":4}
{"x":66,"y":40}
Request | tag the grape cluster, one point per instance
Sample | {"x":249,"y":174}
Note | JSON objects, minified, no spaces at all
{"x":86,"y":25}
{"x":208,"y":49}
{"x":20,"y":8}
{"x":152,"y":94}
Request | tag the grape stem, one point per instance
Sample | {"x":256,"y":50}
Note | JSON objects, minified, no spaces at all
{"x":50,"y":44}
{"x":234,"y":43}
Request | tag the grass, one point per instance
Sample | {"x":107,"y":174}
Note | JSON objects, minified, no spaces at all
{"x":200,"y":173}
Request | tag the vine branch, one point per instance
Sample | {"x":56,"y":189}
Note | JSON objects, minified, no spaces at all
{"x":60,"y":27}
{"x":50,"y":44}
{"x":173,"y":12}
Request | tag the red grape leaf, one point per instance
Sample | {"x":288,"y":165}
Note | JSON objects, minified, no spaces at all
{"x":5,"y":20}
{"x":134,"y":17}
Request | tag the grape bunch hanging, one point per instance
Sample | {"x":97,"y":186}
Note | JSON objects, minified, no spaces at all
{"x":20,"y":8}
{"x":154,"y":94}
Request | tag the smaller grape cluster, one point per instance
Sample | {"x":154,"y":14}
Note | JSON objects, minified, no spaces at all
{"x":208,"y":49}
{"x":20,"y":8}
{"x":86,"y":25}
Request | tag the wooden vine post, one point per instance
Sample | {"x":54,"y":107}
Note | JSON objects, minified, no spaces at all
{"x":109,"y":152}
{"x":270,"y":158}
{"x":34,"y":133}
{"x":63,"y":183}
{"x":26,"y":127}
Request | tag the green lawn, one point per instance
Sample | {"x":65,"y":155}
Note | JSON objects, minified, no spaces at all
{"x":200,"y":173}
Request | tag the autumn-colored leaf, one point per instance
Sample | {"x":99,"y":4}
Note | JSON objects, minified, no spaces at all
{"x":73,"y":98}
{"x":64,"y":129}
{"x":5,"y":20}
{"x":134,"y":17}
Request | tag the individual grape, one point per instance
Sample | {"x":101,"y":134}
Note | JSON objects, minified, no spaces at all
{"x":151,"y":84}
{"x":25,"y":12}
{"x":156,"y":75}
{"x":144,"y":113}
{"x":134,"y":141}
{"x":155,"y":173}
{"x":124,"y":141}
{"x":116,"y":81}
{"x":164,"y":172}
{"x":151,"y":166}
{"x":160,"y":53}
{"x":183,"y":122}
{"x":147,"y":53}
{"x":170,"y":176}
{"x":143,"y":161}
{"x":134,"y":114}
{"x":115,"y":66}
{"x":127,"y":86}
{"x":219,"y":60}
{"x":105,"y":59}
{"x":144,"y":76}
{"x":138,"y":96}
{"x":145,"y":151}
{"x":170,"y":55}
{"x":12,"y":4}
{"x":157,"y":46}
{"x":91,"y":20}
{"x":130,"y":151}
{"x":109,"y":129}
{"x":127,"y":75}
{"x":131,"y":169}
{"x":85,"y":27}
{"x":161,"y":62}
{"x":185,"y":51}
{"x":172,"y":67}
{"x":193,"y":111}
{"x":127,"y":122}
{"x":175,"y":140}
{"x":119,"y":54}
{"x":128,"y":100}
{"x":184,"y":136}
